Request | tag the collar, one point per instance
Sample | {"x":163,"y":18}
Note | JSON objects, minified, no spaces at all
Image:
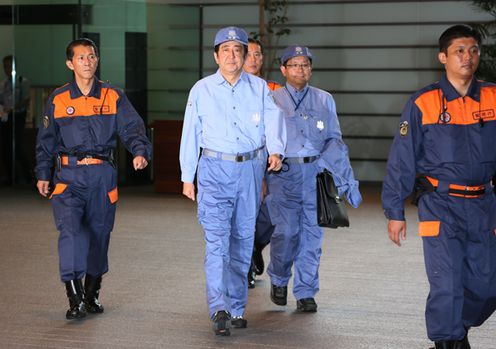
{"x":219,"y":79}
{"x":451,"y":94}
{"x":94,"y":92}
{"x":298,"y":94}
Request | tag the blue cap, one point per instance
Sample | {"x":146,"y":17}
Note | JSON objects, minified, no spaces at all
{"x":295,"y":51}
{"x":231,"y":34}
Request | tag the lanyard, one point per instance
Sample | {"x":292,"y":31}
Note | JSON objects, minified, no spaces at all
{"x":297,"y":105}
{"x":445,"y":117}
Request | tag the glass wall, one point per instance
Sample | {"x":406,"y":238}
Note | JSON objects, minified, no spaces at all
{"x":34,"y":38}
{"x":141,"y":51}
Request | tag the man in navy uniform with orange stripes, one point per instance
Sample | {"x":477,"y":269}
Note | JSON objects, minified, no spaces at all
{"x":444,"y":152}
{"x":79,"y":129}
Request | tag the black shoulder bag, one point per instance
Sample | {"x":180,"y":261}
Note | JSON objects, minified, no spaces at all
{"x":331,"y":209}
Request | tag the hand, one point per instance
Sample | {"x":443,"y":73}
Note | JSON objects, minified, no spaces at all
{"x":275,"y":162}
{"x":397,"y":231}
{"x":354,"y":197}
{"x":189,"y":190}
{"x":139,"y":163}
{"x":43,"y":187}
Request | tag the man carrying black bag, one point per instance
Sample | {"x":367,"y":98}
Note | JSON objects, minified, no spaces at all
{"x":331,"y":210}
{"x":314,"y":144}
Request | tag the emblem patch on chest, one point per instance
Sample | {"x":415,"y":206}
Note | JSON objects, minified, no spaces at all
{"x":320,"y":125}
{"x":70,"y":110}
{"x":100,"y":109}
{"x":444,"y":117}
{"x":255,"y":118}
{"x":483,"y":114}
{"x":403,"y":128}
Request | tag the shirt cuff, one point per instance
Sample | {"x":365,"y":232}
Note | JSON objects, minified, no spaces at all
{"x":141,"y":153}
{"x":187,"y":178}
{"x":395,"y":215}
{"x":43,"y":175}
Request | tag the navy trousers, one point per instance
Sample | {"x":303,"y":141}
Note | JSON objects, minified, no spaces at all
{"x":84,"y":203}
{"x":460,"y":261}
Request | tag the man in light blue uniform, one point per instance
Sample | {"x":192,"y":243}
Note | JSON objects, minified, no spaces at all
{"x":314,"y":144}
{"x":232,"y":116}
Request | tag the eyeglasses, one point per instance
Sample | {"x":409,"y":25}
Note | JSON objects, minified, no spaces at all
{"x":297,"y":66}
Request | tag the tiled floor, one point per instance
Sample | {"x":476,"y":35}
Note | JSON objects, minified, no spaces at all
{"x":372,"y":293}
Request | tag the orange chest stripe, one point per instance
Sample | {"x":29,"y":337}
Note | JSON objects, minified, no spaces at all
{"x":461,"y":111}
{"x":65,"y":107}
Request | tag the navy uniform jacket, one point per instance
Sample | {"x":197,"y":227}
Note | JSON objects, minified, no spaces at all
{"x":445,"y":136}
{"x":74,"y":123}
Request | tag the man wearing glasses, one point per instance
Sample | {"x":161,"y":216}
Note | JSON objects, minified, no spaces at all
{"x":314,"y":144}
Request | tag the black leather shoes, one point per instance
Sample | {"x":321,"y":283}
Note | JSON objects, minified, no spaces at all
{"x":279,"y":295}
{"x":257,"y":259}
{"x":222,"y":323}
{"x":239,"y":322}
{"x":306,"y":305}
{"x":251,"y":277}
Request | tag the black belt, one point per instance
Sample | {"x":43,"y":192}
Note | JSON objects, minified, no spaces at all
{"x":301,"y":159}
{"x":81,"y":156}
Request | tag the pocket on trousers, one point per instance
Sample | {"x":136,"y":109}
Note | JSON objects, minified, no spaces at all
{"x":429,"y":228}
{"x":59,"y":189}
{"x":113,"y":195}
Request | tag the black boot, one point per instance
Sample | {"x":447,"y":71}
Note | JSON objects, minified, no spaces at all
{"x":463,"y":344}
{"x":458,"y":344}
{"x":92,"y":287}
{"x":444,"y":345}
{"x":75,"y":293}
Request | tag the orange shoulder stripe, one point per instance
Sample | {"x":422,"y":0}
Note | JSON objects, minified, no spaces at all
{"x":273,"y":85}
{"x":488,"y":99}
{"x":85,"y":106}
{"x":429,"y":104}
{"x":460,"y":111}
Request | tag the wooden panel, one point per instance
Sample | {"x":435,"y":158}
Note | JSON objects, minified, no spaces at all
{"x":166,"y":170}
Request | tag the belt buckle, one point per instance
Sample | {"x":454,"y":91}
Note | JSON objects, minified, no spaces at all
{"x":87,"y":158}
{"x":238,"y":158}
{"x":471,"y":192}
